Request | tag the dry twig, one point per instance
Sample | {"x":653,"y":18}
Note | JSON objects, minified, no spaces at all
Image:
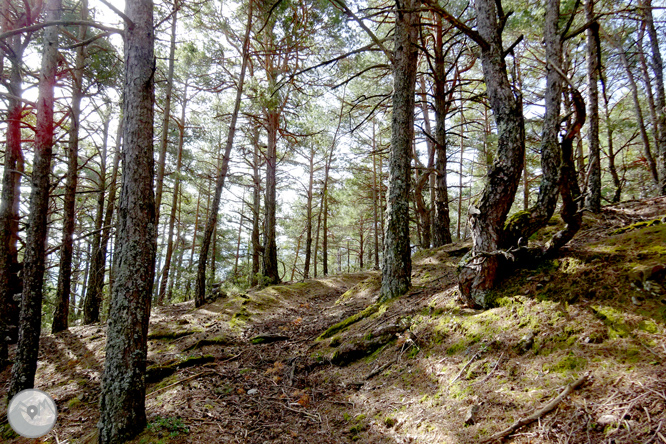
{"x":539,"y":413}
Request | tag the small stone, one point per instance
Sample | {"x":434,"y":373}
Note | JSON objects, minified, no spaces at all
{"x":470,"y":416}
{"x":606,"y":420}
{"x":252,"y":392}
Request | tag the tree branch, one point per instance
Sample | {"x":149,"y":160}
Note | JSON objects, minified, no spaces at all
{"x":129,"y":22}
{"x":469,"y":32}
{"x":39,"y":26}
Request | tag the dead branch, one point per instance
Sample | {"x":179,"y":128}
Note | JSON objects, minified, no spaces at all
{"x":178,"y":382}
{"x":539,"y":413}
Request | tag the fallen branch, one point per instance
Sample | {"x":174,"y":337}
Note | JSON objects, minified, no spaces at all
{"x":380,"y":369}
{"x":539,"y":413}
{"x":178,"y":382}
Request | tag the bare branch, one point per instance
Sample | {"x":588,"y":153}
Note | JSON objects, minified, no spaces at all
{"x":469,"y":32}
{"x":129,"y":22}
{"x":39,"y":26}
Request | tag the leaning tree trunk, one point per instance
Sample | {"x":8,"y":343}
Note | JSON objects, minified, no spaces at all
{"x":397,"y":265}
{"x":25,"y":366}
{"x":61,"y":312}
{"x":488,"y":214}
{"x":211,"y":223}
{"x":122,"y":400}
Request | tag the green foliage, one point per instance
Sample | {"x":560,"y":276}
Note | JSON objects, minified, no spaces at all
{"x":174,"y":426}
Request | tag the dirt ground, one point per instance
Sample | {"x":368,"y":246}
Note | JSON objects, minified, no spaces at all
{"x":266,"y":367}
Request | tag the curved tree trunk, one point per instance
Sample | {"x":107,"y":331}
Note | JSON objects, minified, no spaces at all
{"x":397,"y":265}
{"x":488,"y":214}
{"x":25,"y":366}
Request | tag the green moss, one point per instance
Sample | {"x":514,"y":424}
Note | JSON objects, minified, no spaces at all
{"x":74,"y":402}
{"x":567,"y":364}
{"x":342,"y":325}
{"x":165,"y":333}
{"x":614,"y":319}
{"x":637,"y":226}
{"x":516,"y":222}
{"x":648,"y":326}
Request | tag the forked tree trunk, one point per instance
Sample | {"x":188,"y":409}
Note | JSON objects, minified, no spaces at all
{"x":123,"y":391}
{"x":397,"y":266}
{"x":27,"y":349}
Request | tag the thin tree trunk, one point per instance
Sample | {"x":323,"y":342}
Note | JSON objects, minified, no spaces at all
{"x":652,"y":165}
{"x":660,"y":103}
{"x":25,"y":365}
{"x":256,"y":209}
{"x":211,"y":223}
{"x":375,"y":197}
{"x":164,"y":140}
{"x":611,"y":154}
{"x":397,"y":267}
{"x":123,"y":391}
{"x":593,"y":197}
{"x":174,"y":202}
{"x":308,"y":223}
{"x":61,"y":312}
{"x":97,"y":268}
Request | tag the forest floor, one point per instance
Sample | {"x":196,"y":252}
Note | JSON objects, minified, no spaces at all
{"x":321,"y":362}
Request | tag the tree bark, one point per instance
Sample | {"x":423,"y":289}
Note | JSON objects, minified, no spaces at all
{"x":61,"y":312}
{"x":211,"y":223}
{"x":256,"y":208}
{"x":397,"y":264}
{"x":122,"y":400}
{"x":25,"y":366}
{"x":308,"y":215}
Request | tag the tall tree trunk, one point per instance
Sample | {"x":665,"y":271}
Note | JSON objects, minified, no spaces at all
{"x":442,"y":226}
{"x":10,"y":283}
{"x":174,"y":202}
{"x":611,"y":153}
{"x":123,"y":392}
{"x":488,"y":215}
{"x":593,"y":197}
{"x":397,"y":267}
{"x":211,"y":223}
{"x":97,"y":268}
{"x":61,"y":312}
{"x":375,"y":198}
{"x":164,"y":139}
{"x":25,"y":366}
{"x":660,"y":102}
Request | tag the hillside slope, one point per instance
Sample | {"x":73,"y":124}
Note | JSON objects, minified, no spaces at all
{"x":321,"y":362}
